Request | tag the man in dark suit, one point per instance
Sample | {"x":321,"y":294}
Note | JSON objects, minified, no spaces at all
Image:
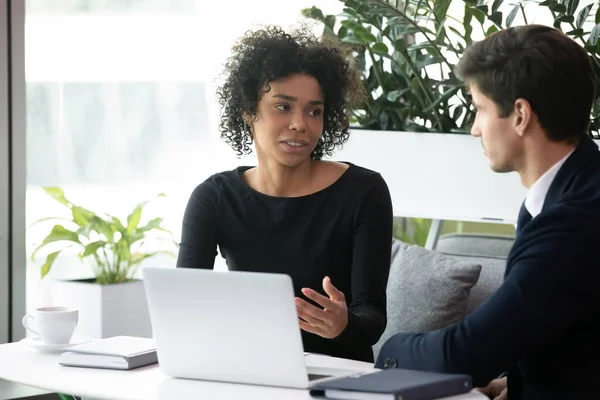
{"x":533,"y":88}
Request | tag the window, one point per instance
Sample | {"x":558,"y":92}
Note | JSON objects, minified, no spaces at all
{"x":121,"y":106}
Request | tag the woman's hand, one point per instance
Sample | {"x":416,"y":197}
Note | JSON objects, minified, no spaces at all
{"x":496,"y":389}
{"x":328,"y":322}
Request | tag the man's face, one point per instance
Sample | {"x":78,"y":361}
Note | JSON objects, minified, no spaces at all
{"x":501,"y":143}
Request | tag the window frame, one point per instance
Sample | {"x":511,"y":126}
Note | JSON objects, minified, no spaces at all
{"x":12,"y":170}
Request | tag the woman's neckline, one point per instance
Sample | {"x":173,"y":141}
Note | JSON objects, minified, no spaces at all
{"x":241,"y":169}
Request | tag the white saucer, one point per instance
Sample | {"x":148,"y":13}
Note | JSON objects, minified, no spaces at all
{"x":37,"y":344}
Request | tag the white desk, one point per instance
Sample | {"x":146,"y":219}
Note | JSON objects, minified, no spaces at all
{"x":21,"y":364}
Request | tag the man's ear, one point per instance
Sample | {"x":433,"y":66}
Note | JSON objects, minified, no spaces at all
{"x":523,"y":116}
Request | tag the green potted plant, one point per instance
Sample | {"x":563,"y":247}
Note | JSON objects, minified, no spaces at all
{"x":406,"y":51}
{"x":113,"y":302}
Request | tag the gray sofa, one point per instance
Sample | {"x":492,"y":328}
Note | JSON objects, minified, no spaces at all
{"x":430,"y":289}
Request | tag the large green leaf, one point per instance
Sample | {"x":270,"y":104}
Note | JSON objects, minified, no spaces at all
{"x":58,"y":234}
{"x":482,"y":7}
{"x":478,"y":14}
{"x":400,"y":45}
{"x":467,"y":24}
{"x":558,"y":8}
{"x":104,"y":228}
{"x":350,"y":39}
{"x":440,"y":9}
{"x":572,"y":6}
{"x":366,"y":36}
{"x":92,"y":248}
{"x":117,"y":225}
{"x":348,"y":12}
{"x":81,"y":216}
{"x":512,"y":14}
{"x":496,"y":18}
{"x":582,"y":15}
{"x":565,"y":18}
{"x":380,"y":48}
{"x":594,"y":34}
{"x":56,"y":193}
{"x":496,"y":5}
{"x":49,"y":262}
{"x":492,"y":29}
{"x":576,"y":32}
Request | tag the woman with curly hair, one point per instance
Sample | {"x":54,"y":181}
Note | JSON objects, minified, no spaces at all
{"x":326,"y":224}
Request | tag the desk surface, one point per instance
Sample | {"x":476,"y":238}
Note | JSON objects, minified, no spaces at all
{"x":24,"y":365}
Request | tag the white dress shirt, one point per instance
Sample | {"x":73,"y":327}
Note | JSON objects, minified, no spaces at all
{"x":537,"y":192}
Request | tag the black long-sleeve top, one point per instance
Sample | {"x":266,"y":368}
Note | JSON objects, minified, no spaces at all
{"x":343,"y":231}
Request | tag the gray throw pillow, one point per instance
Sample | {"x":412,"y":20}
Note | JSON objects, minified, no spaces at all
{"x":426,"y":290}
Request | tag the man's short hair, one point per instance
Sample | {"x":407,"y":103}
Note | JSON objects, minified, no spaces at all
{"x":541,"y":65}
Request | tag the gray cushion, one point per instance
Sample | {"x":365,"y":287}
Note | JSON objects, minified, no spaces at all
{"x":489,"y":250}
{"x":426,"y":290}
{"x":491,"y":277}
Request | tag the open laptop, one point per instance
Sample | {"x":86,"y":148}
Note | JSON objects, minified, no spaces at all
{"x":229,"y":326}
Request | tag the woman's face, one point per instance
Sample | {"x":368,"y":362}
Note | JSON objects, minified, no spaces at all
{"x":289,"y":120}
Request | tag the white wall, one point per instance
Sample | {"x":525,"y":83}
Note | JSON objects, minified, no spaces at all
{"x":437,"y":176}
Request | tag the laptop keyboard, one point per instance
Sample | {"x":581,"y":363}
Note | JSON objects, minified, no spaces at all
{"x":312,"y":377}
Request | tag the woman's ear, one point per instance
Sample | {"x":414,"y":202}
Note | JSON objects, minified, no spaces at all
{"x":522,"y":116}
{"x":249,"y":122}
{"x":247,"y":119}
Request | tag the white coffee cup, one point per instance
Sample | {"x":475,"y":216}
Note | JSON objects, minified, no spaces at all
{"x":55,"y":325}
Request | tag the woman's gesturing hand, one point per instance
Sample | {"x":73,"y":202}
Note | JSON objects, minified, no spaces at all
{"x":329,"y":321}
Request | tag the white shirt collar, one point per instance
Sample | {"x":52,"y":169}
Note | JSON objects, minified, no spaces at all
{"x":537,"y":193}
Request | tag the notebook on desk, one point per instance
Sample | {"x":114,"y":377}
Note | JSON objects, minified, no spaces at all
{"x":118,"y":352}
{"x":394,"y":384}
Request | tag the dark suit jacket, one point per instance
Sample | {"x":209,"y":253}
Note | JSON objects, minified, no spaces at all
{"x":543,"y":323}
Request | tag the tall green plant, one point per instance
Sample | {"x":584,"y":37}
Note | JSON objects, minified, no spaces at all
{"x":403,"y":55}
{"x":407,"y":51}
{"x":114,"y":246}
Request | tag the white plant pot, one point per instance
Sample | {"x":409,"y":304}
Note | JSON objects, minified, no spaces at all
{"x":105,"y":310}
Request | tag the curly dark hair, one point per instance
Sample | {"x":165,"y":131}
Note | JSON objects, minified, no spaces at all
{"x":269,"y":54}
